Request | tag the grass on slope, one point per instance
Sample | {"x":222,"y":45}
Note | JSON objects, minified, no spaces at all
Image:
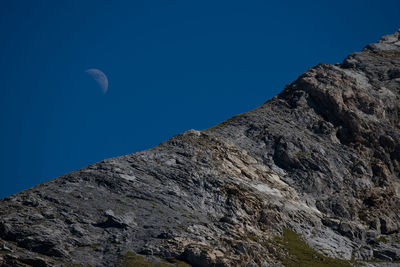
{"x":131,"y":259}
{"x":300,"y":254}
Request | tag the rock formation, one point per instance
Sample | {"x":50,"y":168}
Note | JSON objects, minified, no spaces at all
{"x":315,"y":171}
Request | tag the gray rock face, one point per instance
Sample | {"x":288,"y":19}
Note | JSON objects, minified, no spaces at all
{"x":322,"y":158}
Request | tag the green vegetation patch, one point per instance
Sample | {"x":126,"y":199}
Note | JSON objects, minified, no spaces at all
{"x":300,"y":254}
{"x":388,"y":54}
{"x":94,"y":246}
{"x":131,"y":259}
{"x":79,"y":265}
{"x":3,"y":252}
{"x":302,"y":155}
{"x":381,"y":239}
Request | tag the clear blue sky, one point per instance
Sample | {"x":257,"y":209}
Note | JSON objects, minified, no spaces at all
{"x":171,"y":65}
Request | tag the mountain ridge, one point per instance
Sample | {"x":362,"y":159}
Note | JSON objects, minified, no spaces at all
{"x":321,"y":161}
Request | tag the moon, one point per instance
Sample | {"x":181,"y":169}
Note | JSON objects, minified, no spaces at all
{"x":100,"y":78}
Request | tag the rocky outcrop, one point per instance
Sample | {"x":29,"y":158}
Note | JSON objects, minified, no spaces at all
{"x":321,"y":159}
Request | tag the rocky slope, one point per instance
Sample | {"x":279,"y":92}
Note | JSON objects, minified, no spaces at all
{"x":319,"y":163}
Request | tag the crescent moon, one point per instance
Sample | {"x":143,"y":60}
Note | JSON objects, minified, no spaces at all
{"x":100,"y":78}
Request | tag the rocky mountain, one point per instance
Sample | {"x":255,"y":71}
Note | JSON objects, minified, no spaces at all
{"x":310,"y":178}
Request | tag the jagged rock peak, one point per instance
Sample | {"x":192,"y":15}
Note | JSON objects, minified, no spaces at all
{"x":386,"y":43}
